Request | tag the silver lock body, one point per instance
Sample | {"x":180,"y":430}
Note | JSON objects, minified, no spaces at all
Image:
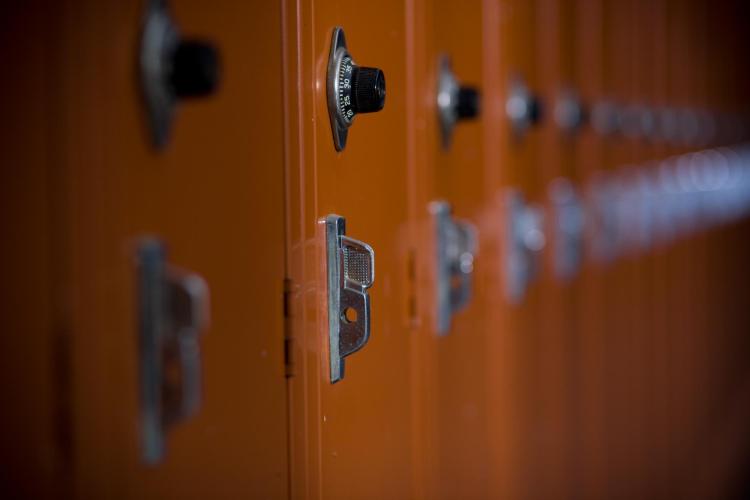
{"x":455,"y":249}
{"x":350,"y":269}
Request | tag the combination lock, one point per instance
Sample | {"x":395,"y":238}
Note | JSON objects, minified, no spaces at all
{"x":172,"y":69}
{"x":455,"y":102}
{"x":352,"y":89}
{"x":523,"y":108}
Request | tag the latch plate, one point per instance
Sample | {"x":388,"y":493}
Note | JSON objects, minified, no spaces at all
{"x":350,"y":272}
{"x":173,"y":310}
{"x":525,"y":240}
{"x":568,"y":226}
{"x":455,"y":246}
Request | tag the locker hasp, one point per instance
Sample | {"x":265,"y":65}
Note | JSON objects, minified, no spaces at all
{"x":568,"y":227}
{"x":173,"y":310}
{"x":524,"y":240}
{"x":350,"y":272}
{"x":455,"y":247}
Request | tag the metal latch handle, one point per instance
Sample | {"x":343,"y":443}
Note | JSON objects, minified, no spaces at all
{"x":350,"y":272}
{"x":173,"y":310}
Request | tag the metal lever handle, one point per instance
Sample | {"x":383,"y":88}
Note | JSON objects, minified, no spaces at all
{"x":525,"y":240}
{"x":351,"y":271}
{"x":173,"y":312}
{"x":455,"y":247}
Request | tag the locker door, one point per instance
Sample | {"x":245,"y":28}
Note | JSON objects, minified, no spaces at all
{"x":683,"y":398}
{"x":519,"y":173}
{"x":590,"y":313}
{"x":214,"y":196}
{"x":623,"y":303}
{"x":641,"y":62}
{"x":352,"y":438}
{"x":660,"y":420}
{"x":516,"y":341}
{"x":556,"y":140}
{"x":457,"y":164}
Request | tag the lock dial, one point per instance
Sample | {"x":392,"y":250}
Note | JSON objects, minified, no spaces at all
{"x":172,"y":69}
{"x":352,"y":89}
{"x":454,"y":102}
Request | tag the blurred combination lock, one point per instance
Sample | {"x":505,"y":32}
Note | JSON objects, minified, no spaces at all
{"x":522,"y":107}
{"x":352,"y":89}
{"x":172,"y":68}
{"x":454,"y":102}
{"x":524,"y":240}
{"x":173,"y":311}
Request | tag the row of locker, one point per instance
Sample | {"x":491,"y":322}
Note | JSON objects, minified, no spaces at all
{"x":553,"y":315}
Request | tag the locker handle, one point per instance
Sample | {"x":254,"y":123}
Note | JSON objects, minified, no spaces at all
{"x":350,"y":272}
{"x":173,"y":310}
{"x":525,"y":239}
{"x":455,"y":246}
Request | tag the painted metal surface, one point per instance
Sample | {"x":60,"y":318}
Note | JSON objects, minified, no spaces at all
{"x":351,"y":439}
{"x":214,"y":196}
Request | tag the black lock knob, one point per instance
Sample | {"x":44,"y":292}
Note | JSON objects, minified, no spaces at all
{"x":171,"y":69}
{"x":454,"y":102}
{"x":195,"y":69}
{"x":523,"y":108}
{"x":351,"y":89}
{"x":536,"y":110}
{"x":468,"y":103}
{"x":368,"y":85}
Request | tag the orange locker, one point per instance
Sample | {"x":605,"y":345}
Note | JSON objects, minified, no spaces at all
{"x":590,"y":314}
{"x":559,"y":199}
{"x":141,"y":424}
{"x":456,"y":163}
{"x":622,"y":300}
{"x":351,"y":438}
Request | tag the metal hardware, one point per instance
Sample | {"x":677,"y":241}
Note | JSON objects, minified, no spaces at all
{"x":647,"y":122}
{"x":603,"y":196}
{"x":666,"y":125}
{"x":351,"y":89}
{"x":339,"y":125}
{"x":632,"y":212}
{"x":606,"y":118}
{"x":171,"y":68}
{"x":455,"y":245}
{"x":637,"y":122}
{"x":454,"y":102}
{"x":646,"y":198}
{"x":525,"y":240}
{"x":568,"y":112}
{"x":707,"y":127}
{"x":522,"y":107}
{"x":351,"y":271}
{"x":688,"y":127}
{"x":634,"y":209}
{"x":568,"y":227}
{"x":173,"y":309}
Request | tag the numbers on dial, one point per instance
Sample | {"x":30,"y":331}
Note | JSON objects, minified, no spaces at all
{"x":345,"y":88}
